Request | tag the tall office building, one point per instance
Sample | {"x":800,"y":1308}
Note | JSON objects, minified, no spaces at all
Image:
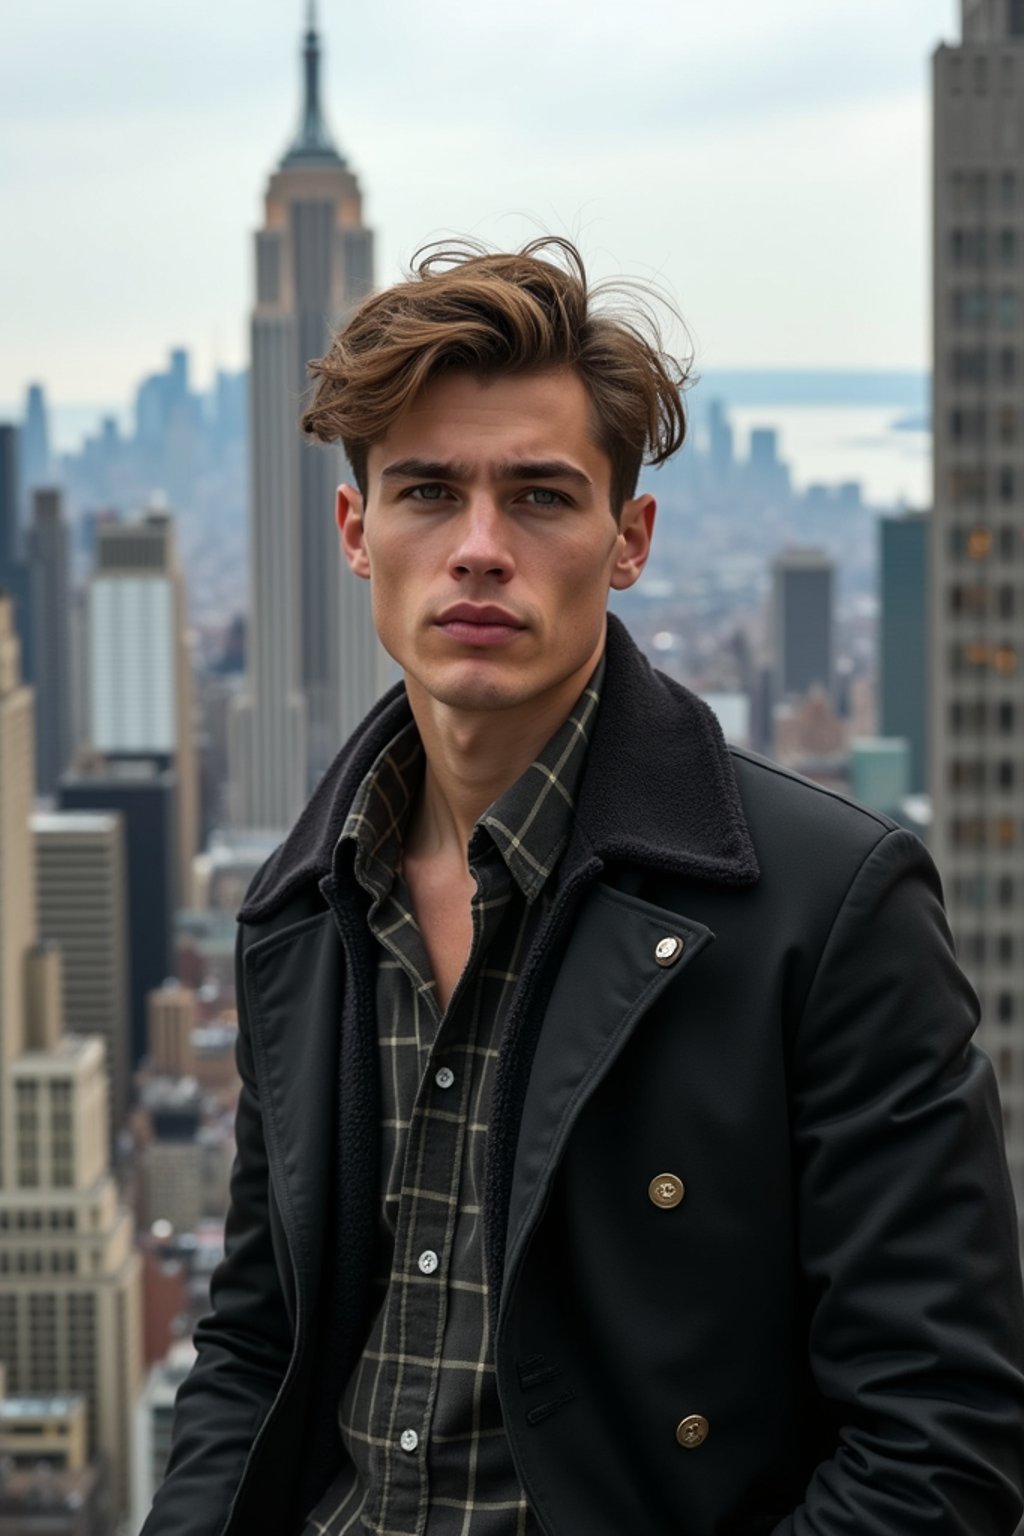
{"x":49,"y":562}
{"x":36,"y":460}
{"x":803,"y":639}
{"x":314,"y":663}
{"x":903,"y":638}
{"x":143,"y":795}
{"x":10,"y":487}
{"x":140,"y":674}
{"x":14,"y":569}
{"x":977,"y":554}
{"x":69,"y":1276}
{"x":81,"y":881}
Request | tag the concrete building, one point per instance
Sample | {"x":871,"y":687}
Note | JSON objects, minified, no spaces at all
{"x":803,"y":631}
{"x":315,"y":666}
{"x":50,"y":1430}
{"x":17,"y":868}
{"x":140,"y":673}
{"x":172,"y":1018}
{"x":82,"y":891}
{"x":903,"y":652}
{"x":977,"y":547}
{"x":69,"y":1276}
{"x":143,"y":795}
{"x":155,"y":1422}
{"x":50,"y":567}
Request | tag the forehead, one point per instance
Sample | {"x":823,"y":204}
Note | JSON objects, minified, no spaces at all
{"x":462,"y":416}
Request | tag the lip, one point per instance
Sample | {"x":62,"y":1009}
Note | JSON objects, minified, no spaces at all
{"x":479,"y":624}
{"x":479,"y":613}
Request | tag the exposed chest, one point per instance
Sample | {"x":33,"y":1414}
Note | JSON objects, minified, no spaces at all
{"x":442,"y":905}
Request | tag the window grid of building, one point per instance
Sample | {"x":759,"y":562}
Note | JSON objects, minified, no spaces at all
{"x":977,"y":553}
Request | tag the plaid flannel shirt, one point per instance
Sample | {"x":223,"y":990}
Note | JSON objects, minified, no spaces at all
{"x":419,"y":1418}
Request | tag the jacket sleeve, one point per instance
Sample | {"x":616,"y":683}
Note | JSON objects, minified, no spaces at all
{"x":908,"y":1238}
{"x":244,"y":1344}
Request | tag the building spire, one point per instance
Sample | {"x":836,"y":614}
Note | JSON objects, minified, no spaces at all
{"x":313,"y":143}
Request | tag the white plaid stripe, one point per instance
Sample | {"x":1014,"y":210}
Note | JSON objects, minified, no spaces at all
{"x":426,"y":1364}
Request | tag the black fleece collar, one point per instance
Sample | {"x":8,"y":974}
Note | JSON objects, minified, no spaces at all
{"x":658,"y":789}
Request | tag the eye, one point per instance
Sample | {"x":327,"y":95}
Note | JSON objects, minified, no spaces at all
{"x":433,"y":490}
{"x":546,"y":497}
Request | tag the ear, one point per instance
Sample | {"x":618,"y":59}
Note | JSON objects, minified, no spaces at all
{"x":349,"y":517}
{"x":633,"y":543}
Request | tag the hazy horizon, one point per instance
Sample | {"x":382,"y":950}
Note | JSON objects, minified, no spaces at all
{"x":770,"y":168}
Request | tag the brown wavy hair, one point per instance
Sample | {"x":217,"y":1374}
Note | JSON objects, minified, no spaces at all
{"x":468,"y":308}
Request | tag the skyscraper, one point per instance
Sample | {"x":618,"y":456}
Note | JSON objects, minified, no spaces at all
{"x":81,"y":878}
{"x":977,"y":553}
{"x":69,"y":1276}
{"x":314,"y":661}
{"x":803,"y":644}
{"x":36,"y":463}
{"x":143,"y":796}
{"x":10,"y":490}
{"x":49,"y":561}
{"x":903,"y":638}
{"x":140,"y":674}
{"x":14,"y":571}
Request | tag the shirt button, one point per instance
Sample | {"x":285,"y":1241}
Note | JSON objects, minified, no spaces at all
{"x":692,"y":1431}
{"x":409,"y":1440}
{"x":444,"y":1077}
{"x":428,"y":1261}
{"x":667,"y":951}
{"x":666,"y":1190}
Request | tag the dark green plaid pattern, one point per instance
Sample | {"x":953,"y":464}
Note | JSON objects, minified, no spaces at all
{"x":420,"y":1418}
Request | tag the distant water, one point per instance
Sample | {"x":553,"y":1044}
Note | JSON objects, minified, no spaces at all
{"x":883,"y":448}
{"x":833,"y":425}
{"x":814,"y":386}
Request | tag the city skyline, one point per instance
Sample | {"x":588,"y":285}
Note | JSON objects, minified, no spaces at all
{"x":666,"y":167}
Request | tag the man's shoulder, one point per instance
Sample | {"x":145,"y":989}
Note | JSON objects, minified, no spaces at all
{"x":286,"y":887}
{"x":811,"y":829}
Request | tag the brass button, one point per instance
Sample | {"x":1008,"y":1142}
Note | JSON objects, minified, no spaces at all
{"x":666,"y":1190}
{"x":692,"y":1431}
{"x":667,"y":951}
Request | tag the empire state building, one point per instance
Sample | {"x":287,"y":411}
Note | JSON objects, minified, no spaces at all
{"x":315,"y":666}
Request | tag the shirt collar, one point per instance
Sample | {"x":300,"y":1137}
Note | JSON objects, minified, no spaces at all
{"x":529,"y":824}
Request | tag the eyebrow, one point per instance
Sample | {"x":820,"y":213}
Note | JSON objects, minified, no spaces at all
{"x":526,"y":469}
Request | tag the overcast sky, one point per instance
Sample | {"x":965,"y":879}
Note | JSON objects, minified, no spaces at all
{"x":767,"y":160}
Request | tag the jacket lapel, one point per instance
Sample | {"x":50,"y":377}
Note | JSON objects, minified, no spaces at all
{"x":294,"y":993}
{"x":609,"y":975}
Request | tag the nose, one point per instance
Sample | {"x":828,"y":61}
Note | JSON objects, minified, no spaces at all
{"x":481,"y":546}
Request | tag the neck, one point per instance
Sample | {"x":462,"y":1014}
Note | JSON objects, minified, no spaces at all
{"x":472,"y":757}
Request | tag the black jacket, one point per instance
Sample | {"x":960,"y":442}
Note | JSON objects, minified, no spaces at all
{"x":837,"y":1296}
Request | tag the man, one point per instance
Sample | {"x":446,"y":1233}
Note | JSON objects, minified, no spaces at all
{"x":613,"y":1158}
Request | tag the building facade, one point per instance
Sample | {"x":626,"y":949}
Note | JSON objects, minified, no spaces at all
{"x":977,"y":553}
{"x":144,"y":798}
{"x":803,"y":633}
{"x":315,"y":666}
{"x":69,"y":1275}
{"x":903,"y":652}
{"x":50,"y":565}
{"x":82,"y":895}
{"x":140,"y":675}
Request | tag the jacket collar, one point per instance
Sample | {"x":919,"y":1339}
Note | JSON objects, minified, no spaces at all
{"x":658,"y":789}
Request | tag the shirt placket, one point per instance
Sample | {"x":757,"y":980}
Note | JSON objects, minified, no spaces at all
{"x":424,"y":1232}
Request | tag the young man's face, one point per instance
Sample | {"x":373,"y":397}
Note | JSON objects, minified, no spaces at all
{"x":489,"y":539}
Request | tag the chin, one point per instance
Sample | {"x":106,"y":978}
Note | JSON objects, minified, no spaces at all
{"x":476,"y":687}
